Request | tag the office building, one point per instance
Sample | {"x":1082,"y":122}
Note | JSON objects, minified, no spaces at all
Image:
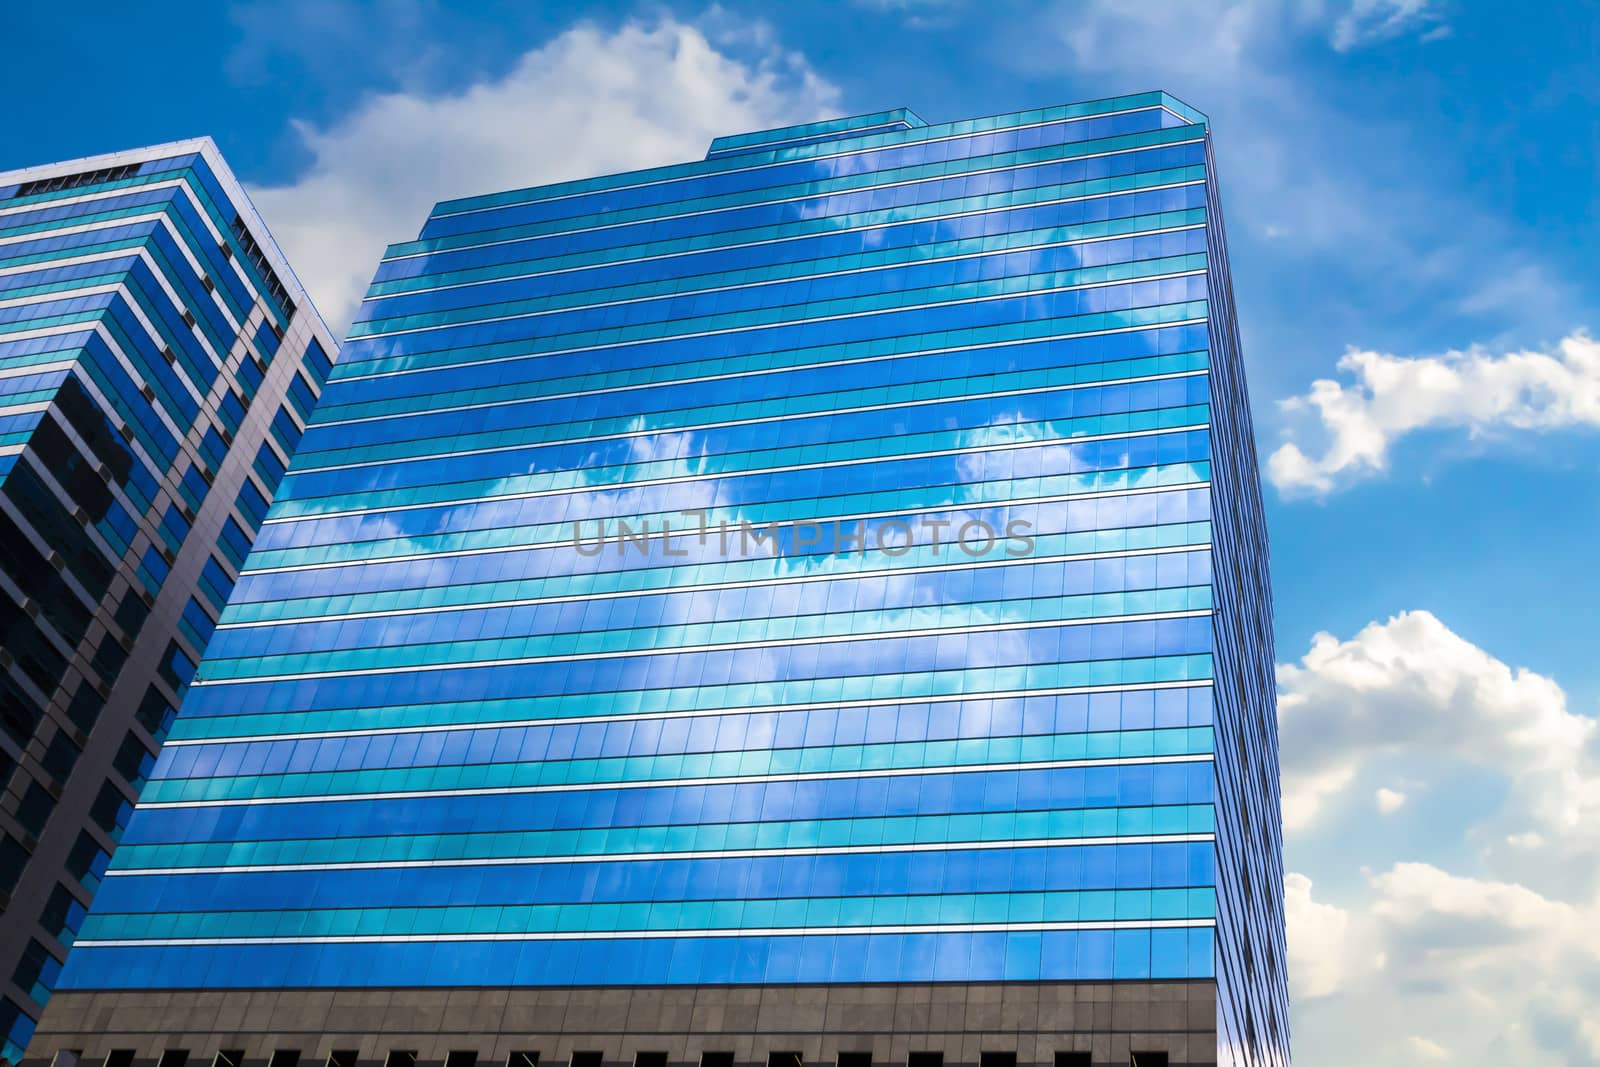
{"x":807,"y":605}
{"x":157,"y":364}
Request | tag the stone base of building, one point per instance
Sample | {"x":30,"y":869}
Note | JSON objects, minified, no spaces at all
{"x":1031,"y":1020}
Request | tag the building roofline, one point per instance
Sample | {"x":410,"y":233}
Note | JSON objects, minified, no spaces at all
{"x":207,"y":149}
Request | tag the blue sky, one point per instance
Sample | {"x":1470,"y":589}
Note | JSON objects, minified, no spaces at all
{"x":1413,"y":211}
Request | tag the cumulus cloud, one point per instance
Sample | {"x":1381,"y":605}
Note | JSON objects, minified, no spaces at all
{"x":1473,"y":935}
{"x":1389,"y":396}
{"x":1316,"y":935}
{"x":1412,"y":692}
{"x":1528,"y":961}
{"x":1445,"y":967}
{"x":590,"y":101}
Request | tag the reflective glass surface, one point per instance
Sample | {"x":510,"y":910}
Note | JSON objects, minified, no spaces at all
{"x":797,"y":566}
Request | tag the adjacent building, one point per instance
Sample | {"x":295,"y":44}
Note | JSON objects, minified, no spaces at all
{"x":804,"y":605}
{"x":158,"y":362}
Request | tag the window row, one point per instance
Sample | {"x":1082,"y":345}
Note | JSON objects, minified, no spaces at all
{"x":447,"y":853}
{"x":1049,"y":955}
{"x":1102,"y":715}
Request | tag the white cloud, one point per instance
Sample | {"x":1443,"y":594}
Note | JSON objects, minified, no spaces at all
{"x":590,"y":101}
{"x":1316,"y":935}
{"x":1415,"y":947}
{"x":1204,"y":38}
{"x":1412,"y":693}
{"x":1368,"y":22}
{"x":1444,"y":967}
{"x":1392,"y":396}
{"x":1389,"y":800}
{"x":1530,"y":962}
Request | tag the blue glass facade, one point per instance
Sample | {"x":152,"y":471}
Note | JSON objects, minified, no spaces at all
{"x":149,"y":337}
{"x":797,"y":566}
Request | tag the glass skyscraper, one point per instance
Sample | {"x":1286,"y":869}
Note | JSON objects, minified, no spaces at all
{"x":802,"y":605}
{"x":158,"y":361}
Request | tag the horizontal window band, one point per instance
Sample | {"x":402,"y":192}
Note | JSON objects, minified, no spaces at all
{"x":701,"y":854}
{"x":607,"y":265}
{"x":121,"y":248}
{"x":818,"y":622}
{"x":573,"y":301}
{"x":172,"y":179}
{"x":782,"y":358}
{"x":658,"y":575}
{"x":1120,"y":228}
{"x":1073,"y":431}
{"x":762,"y":195}
{"x":1089,"y":820}
{"x":683,"y":479}
{"x":84,"y":223}
{"x":698,"y":169}
{"x":655,"y":376}
{"x":849,"y":518}
{"x":355,"y":375}
{"x":851,"y":775}
{"x":908,"y":756}
{"x":724,"y":331}
{"x":305,"y":468}
{"x":629,"y":935}
{"x":981,"y":564}
{"x":761,"y":372}
{"x":760,"y":522}
{"x":178,"y":738}
{"x":1165,"y":903}
{"x":735,"y":646}
{"x":448,"y":244}
{"x":61,"y":290}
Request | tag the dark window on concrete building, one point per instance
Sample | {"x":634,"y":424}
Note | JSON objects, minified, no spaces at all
{"x":1148,"y":1059}
{"x":925,"y":1059}
{"x":284,"y":1057}
{"x":461,"y":1059}
{"x":85,"y":707}
{"x":34,"y":810}
{"x":526,"y":1058}
{"x":586,"y":1059}
{"x":783,"y":1059}
{"x":400,"y":1058}
{"x":59,"y":757}
{"x":119,"y":1057}
{"x":62,"y":915}
{"x":650,"y":1059}
{"x":110,"y":812}
{"x":35,"y":960}
{"x":87,"y":859}
{"x":716,"y":1059}
{"x":13,"y":857}
{"x":232,"y":1057}
{"x":155,"y":712}
{"x":342,"y":1057}
{"x":997,"y":1059}
{"x":1073,"y":1059}
{"x":174,"y":1057}
{"x":855,"y":1059}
